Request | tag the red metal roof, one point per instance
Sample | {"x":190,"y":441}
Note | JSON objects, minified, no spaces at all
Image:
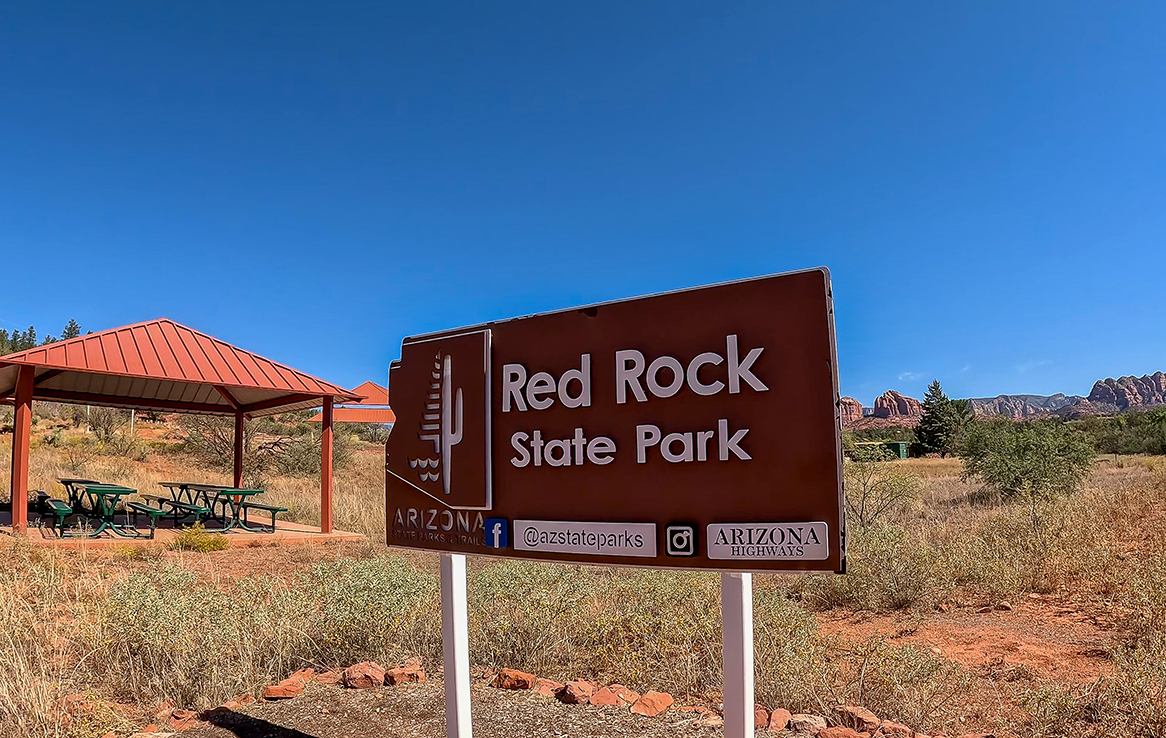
{"x":163,"y":365}
{"x":358,"y":414}
{"x":372,"y":394}
{"x":373,"y":407}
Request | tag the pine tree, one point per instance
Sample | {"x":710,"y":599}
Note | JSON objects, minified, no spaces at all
{"x":72,"y":330}
{"x":29,"y":338}
{"x":4,"y":347}
{"x":939,"y":426}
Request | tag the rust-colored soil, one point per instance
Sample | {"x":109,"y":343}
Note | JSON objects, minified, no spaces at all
{"x":1044,"y":638}
{"x":418,"y":711}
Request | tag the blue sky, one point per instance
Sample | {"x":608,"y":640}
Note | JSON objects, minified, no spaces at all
{"x":986,"y":182}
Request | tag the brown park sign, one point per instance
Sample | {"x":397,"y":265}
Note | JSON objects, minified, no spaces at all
{"x":696,"y":429}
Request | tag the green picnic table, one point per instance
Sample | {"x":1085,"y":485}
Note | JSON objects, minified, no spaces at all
{"x":234,"y":502}
{"x":103,"y":500}
{"x":73,"y":488}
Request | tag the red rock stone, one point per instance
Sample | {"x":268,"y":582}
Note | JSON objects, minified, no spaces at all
{"x":410,"y":672}
{"x":627,"y":695}
{"x":285,"y":690}
{"x":575,"y":693}
{"x":806,"y":724}
{"x":607,"y":698}
{"x":546,"y":687}
{"x":710,"y":720}
{"x":778,"y":719}
{"x":513,"y":679}
{"x":245,"y":699}
{"x":888,"y":727}
{"x":859,"y":718}
{"x":303,"y":675}
{"x":328,"y":677}
{"x":182,"y":719}
{"x":364,"y":675}
{"x":652,"y":703}
{"x":760,"y":716}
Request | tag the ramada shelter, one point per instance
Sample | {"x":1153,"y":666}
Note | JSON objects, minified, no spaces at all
{"x":163,"y":366}
{"x":372,"y":407}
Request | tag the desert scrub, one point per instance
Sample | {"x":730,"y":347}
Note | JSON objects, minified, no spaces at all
{"x":526,"y":615}
{"x":198,"y":538}
{"x":888,"y":568}
{"x":378,"y":609}
{"x":641,"y":628}
{"x":791,"y":660}
{"x":37,"y":645}
{"x":655,"y":627}
{"x":907,"y":684}
{"x":165,"y":635}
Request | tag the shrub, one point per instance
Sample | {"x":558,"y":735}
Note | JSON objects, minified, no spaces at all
{"x":1031,"y":460}
{"x":198,"y":538}
{"x":876,"y":487}
{"x":887,"y":569}
{"x":792,"y":661}
{"x":907,"y":684}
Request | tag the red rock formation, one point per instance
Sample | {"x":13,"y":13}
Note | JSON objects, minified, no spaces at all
{"x":1126,"y":392}
{"x":892,"y":404}
{"x":850,"y":409}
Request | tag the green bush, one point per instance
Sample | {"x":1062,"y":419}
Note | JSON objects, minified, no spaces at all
{"x":198,"y":538}
{"x":1030,"y":460}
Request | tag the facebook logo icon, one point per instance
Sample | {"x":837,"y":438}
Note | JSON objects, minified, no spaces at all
{"x":497,"y":533}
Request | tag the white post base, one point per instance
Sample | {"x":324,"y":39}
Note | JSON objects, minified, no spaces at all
{"x":737,"y":635}
{"x":455,"y":645}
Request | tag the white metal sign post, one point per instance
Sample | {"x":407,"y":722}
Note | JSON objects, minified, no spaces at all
{"x":737,"y":641}
{"x":455,"y":645}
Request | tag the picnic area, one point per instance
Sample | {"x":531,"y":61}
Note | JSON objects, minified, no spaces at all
{"x":159,"y":366}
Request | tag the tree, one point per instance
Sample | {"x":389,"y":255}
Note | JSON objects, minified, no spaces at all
{"x":72,"y":330}
{"x":29,"y":339}
{"x":939,"y":427}
{"x":1035,"y":460}
{"x":876,"y":486}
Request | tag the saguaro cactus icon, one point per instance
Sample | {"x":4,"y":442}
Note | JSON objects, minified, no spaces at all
{"x":441,"y":423}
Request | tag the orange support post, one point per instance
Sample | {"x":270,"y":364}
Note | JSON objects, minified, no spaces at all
{"x":21,"y":433}
{"x":326,"y":468}
{"x":238,"y":450}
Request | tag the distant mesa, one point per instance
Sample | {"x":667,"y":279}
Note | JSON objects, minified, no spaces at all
{"x":1022,"y":406}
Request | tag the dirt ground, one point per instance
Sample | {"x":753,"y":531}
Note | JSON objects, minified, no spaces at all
{"x":418,"y":711}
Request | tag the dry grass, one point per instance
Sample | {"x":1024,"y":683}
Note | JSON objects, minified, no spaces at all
{"x":142,"y":625}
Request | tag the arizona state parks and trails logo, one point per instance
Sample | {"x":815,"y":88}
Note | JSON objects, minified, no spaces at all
{"x":444,"y":432}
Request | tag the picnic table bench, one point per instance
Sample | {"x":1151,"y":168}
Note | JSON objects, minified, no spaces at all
{"x":101,"y":502}
{"x":58,"y":511}
{"x":75,"y":489}
{"x":206,"y":499}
